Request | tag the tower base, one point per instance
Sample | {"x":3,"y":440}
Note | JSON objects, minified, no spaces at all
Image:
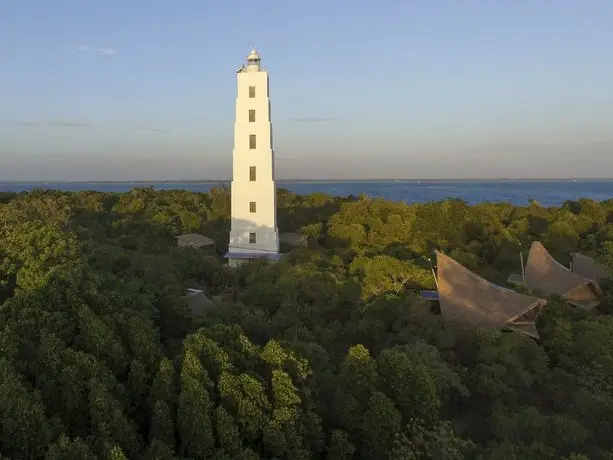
{"x":237,"y":258}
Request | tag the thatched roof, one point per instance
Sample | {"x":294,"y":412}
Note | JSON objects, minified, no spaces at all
{"x":547,"y":275}
{"x":588,"y":267}
{"x":465,"y":296}
{"x":194,"y":240}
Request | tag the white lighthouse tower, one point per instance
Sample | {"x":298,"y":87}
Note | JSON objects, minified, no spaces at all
{"x":253,"y":233}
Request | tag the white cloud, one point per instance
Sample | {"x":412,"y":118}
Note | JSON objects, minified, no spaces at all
{"x":100,"y":51}
{"x":106,"y":51}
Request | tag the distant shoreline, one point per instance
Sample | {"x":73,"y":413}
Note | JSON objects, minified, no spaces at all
{"x":312,"y":181}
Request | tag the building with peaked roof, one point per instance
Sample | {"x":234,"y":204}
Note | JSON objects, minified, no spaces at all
{"x":466,"y":297}
{"x":546,"y":275}
{"x":253,"y":233}
{"x":197,"y":301}
{"x":194,"y":240}
{"x":588,"y":267}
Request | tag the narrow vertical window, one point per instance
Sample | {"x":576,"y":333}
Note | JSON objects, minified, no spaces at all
{"x":252,"y":173}
{"x":252,"y":141}
{"x":252,"y":238}
{"x":252,"y":206}
{"x":251,"y":92}
{"x":252,"y":116}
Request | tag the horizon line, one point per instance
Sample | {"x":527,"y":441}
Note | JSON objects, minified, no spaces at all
{"x":337,"y":180}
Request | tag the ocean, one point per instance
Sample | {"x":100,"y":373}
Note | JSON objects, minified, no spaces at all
{"x":517,"y":192}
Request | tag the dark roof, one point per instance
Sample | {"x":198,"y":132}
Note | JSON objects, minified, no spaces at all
{"x":194,"y":240}
{"x":197,"y":301}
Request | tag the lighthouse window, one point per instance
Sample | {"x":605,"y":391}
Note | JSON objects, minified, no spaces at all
{"x":251,"y":92}
{"x":252,"y":206}
{"x":252,"y":173}
{"x":252,"y":238}
{"x":251,"y":116}
{"x":252,"y":141}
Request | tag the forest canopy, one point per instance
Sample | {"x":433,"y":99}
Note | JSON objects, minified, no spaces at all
{"x":329,"y":353}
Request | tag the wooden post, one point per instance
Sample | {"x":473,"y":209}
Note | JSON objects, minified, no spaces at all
{"x":433,"y":273}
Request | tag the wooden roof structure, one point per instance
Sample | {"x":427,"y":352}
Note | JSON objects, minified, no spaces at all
{"x":588,"y":267}
{"x":194,"y":240}
{"x":545,"y":274}
{"x":466,"y":297}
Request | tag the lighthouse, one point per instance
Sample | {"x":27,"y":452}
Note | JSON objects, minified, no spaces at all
{"x":253,"y":232}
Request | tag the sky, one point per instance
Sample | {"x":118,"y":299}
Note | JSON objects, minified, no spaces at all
{"x":145,"y":89}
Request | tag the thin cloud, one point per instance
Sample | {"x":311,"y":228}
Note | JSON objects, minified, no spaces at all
{"x":106,"y":51}
{"x":67,"y":123}
{"x":54,"y":123}
{"x":154,"y":130}
{"x":601,"y":142}
{"x":101,"y":51}
{"x":26,"y":124}
{"x":313,"y":120}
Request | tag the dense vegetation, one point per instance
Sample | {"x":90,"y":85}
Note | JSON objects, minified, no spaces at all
{"x":326,"y":354}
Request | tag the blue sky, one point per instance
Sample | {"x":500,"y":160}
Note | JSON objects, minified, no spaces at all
{"x":145,"y":89}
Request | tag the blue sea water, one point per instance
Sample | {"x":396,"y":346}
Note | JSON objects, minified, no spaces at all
{"x":546,"y":192}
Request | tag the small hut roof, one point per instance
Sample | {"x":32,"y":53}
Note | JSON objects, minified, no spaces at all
{"x":547,"y":275}
{"x":293,"y":239}
{"x":194,"y":240}
{"x":197,"y":301}
{"x":465,"y":296}
{"x":588,"y":267}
